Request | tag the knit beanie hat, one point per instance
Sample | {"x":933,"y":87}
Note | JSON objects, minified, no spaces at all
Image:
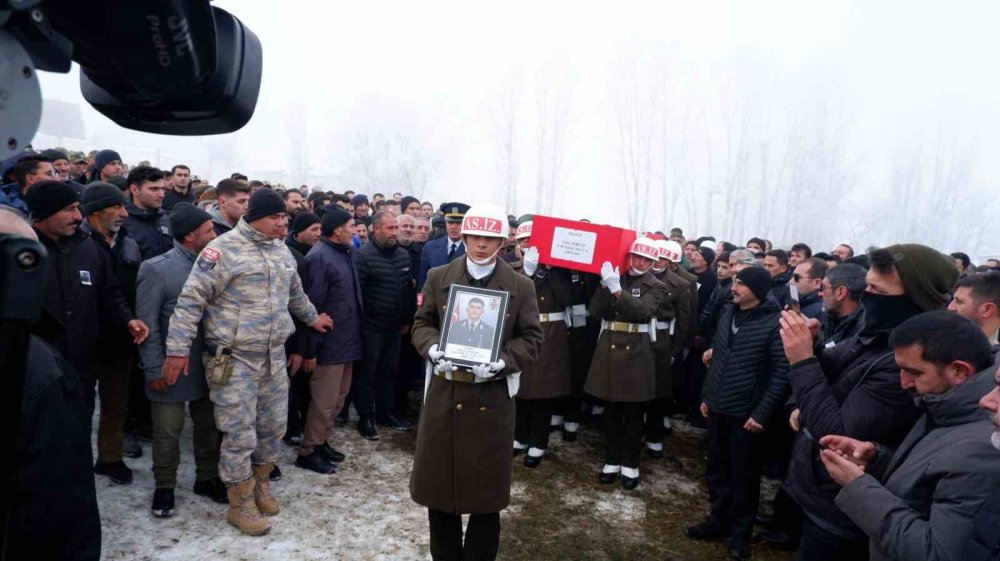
{"x":53,"y":154}
{"x":49,"y":197}
{"x":359,"y":199}
{"x":264,"y":203}
{"x":757,"y":241}
{"x":928,"y":275}
{"x":303,"y":221}
{"x":334,"y":218}
{"x":186,"y":218}
{"x":757,"y":279}
{"x":708,"y":254}
{"x":407,"y":201}
{"x":103,"y":158}
{"x":99,"y":196}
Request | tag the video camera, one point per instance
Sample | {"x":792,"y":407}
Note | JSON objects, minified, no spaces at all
{"x":179,"y":67}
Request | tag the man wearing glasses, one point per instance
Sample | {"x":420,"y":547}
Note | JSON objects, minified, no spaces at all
{"x":808,"y":279}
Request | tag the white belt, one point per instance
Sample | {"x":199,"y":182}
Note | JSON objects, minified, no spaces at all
{"x":554,"y":316}
{"x":668,"y":325}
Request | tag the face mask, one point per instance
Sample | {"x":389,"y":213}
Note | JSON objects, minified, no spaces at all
{"x":883,"y":313}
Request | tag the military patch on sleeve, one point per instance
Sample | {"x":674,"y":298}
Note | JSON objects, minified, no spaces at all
{"x":208,"y":258}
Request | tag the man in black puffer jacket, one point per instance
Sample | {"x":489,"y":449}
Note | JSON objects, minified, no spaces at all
{"x":148,"y":225}
{"x":385,"y":275}
{"x":747,"y":384}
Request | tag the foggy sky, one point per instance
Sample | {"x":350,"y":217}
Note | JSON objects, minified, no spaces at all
{"x":876,"y":97}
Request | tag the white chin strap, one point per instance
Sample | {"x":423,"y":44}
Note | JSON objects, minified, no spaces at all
{"x":636,"y":272}
{"x":659,"y":270}
{"x":479,"y":270}
{"x":487,"y":261}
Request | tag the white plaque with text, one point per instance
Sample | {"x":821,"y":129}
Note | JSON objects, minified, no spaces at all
{"x":573,"y":245}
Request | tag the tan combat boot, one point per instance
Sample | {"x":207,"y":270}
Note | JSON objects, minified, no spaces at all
{"x":266,"y":503}
{"x":243,"y":511}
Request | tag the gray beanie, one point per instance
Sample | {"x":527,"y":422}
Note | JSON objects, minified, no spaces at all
{"x":99,"y":196}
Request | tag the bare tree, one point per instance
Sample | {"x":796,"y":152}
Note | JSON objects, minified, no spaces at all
{"x":554,"y":85}
{"x":504,"y":117}
{"x":640,"y":104}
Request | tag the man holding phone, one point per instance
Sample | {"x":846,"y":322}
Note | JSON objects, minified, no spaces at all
{"x":804,"y":288}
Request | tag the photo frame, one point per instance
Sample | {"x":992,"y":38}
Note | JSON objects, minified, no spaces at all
{"x":473,"y":325}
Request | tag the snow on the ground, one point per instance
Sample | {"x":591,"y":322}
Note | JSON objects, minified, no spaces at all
{"x":363,"y":513}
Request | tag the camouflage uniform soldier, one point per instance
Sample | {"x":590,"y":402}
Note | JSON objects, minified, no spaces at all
{"x":243,"y":284}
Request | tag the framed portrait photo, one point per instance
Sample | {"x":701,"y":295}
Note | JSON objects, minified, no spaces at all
{"x":473,"y":326}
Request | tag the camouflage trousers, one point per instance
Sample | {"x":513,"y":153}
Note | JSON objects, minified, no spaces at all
{"x":251,"y":412}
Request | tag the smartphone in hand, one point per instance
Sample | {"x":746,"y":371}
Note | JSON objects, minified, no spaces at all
{"x":809,"y":436}
{"x":793,"y":299}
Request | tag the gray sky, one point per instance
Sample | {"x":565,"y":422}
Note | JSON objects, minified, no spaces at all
{"x":778,"y":104}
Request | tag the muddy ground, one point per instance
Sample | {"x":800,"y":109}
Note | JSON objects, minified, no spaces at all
{"x":558,"y":511}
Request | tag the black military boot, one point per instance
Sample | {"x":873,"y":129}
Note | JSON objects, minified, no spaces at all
{"x":333,"y":455}
{"x":316,"y":462}
{"x":392,"y":423}
{"x":707,"y":530}
{"x":213,"y":488}
{"x":163,"y":503}
{"x":117,"y":472}
{"x":367,"y":430}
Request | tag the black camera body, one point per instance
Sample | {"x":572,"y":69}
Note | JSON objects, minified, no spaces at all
{"x":179,"y":67}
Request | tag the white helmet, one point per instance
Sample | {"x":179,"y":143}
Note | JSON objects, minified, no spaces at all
{"x":645,"y":247}
{"x":671,"y":250}
{"x":486,"y":220}
{"x":524,"y":230}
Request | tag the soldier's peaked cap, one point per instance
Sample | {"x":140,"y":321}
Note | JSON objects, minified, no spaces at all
{"x":454,"y":212}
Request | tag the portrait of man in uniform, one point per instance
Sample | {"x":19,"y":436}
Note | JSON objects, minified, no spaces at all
{"x":474,"y":319}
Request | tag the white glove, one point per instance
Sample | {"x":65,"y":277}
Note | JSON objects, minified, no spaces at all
{"x":487,"y":371}
{"x":611,"y":278}
{"x":434,"y":354}
{"x":530,"y":261}
{"x":445,"y":366}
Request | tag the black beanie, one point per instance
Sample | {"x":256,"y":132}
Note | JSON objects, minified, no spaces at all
{"x":407,"y":201}
{"x":303,"y":221}
{"x":757,"y":279}
{"x":99,"y":196}
{"x":53,"y":154}
{"x":263,"y":203}
{"x":185,"y":218}
{"x":103,"y":158}
{"x":708,"y":254}
{"x":49,"y":197}
{"x":334,"y":218}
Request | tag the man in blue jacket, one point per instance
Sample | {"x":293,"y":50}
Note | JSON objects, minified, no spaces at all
{"x":443,"y":250}
{"x":330,"y":280}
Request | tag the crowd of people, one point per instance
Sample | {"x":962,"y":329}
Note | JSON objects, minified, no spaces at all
{"x":866,"y":383}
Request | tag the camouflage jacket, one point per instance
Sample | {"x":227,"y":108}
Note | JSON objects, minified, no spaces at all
{"x":243,"y":285}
